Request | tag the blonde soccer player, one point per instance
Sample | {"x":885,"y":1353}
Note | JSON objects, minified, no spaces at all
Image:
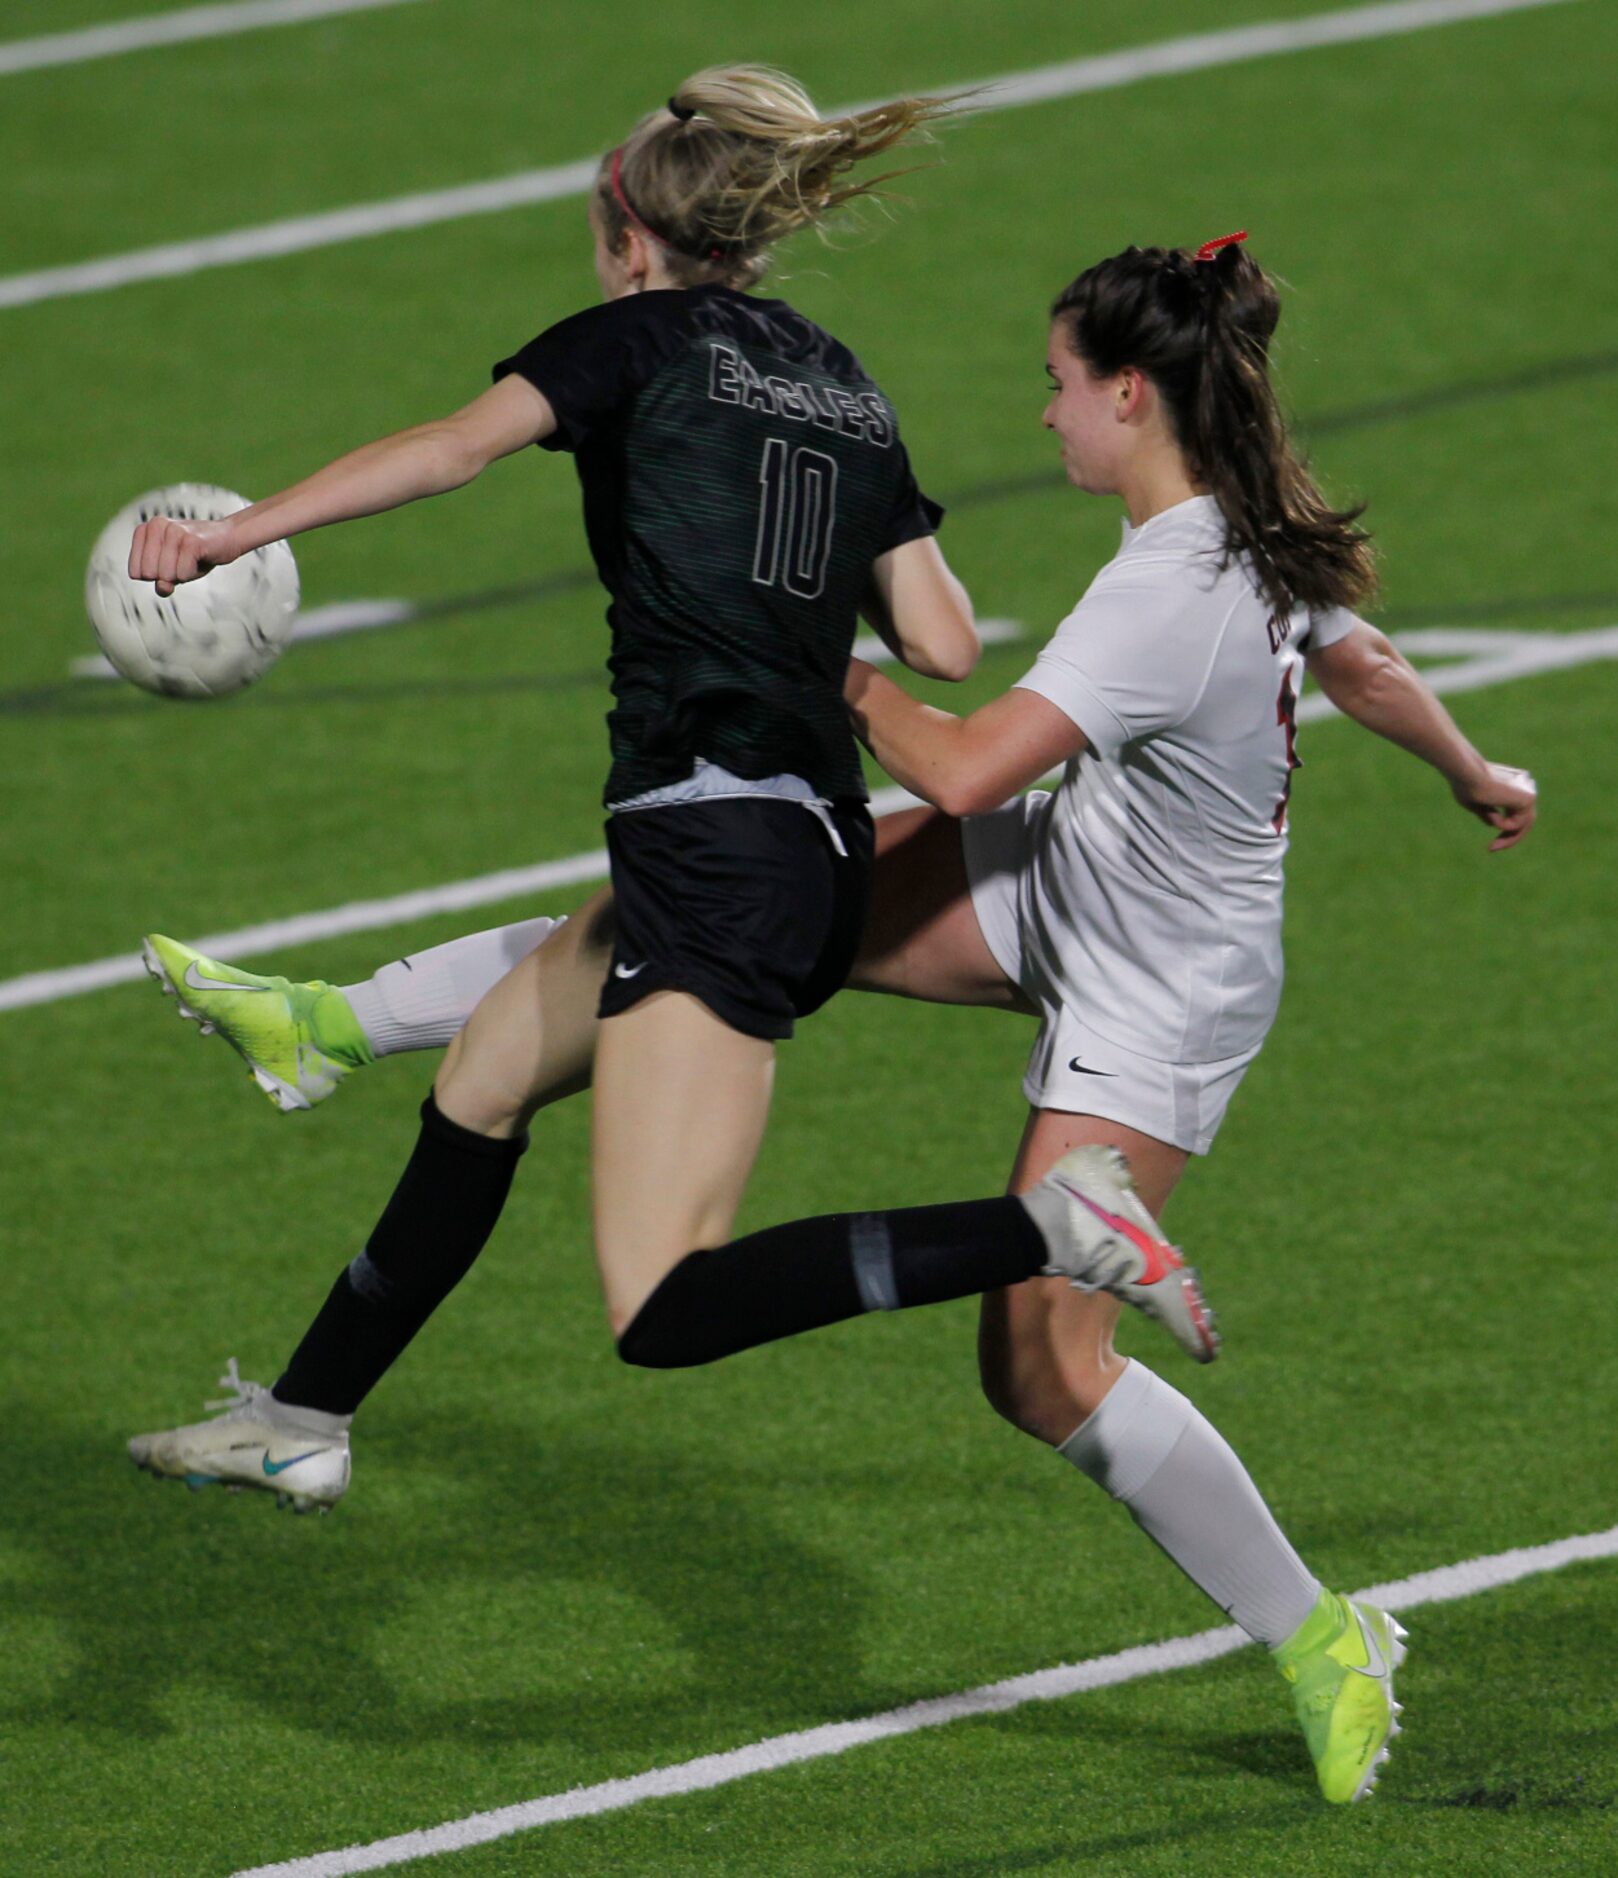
{"x":1135,"y":911}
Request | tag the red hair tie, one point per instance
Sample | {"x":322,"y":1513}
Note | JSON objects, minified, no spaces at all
{"x":1210,"y":248}
{"x":615,"y":176}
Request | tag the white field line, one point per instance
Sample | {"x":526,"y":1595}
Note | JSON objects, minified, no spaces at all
{"x":343,"y":617}
{"x":1522,"y":656}
{"x":1199,"y":52}
{"x":171,"y":29}
{"x":319,"y":622}
{"x":1443,"y":1586}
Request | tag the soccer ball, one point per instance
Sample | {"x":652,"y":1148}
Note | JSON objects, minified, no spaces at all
{"x":210,"y":636}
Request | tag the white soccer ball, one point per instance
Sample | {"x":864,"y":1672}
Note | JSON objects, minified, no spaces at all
{"x":210,"y":636}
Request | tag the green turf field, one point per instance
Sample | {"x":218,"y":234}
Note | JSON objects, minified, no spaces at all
{"x":553,"y":1571}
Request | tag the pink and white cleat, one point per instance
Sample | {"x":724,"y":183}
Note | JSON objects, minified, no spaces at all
{"x":1101,"y":1238}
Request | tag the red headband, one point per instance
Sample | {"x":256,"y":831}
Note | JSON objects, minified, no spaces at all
{"x":615,"y":176}
{"x":1210,"y":248}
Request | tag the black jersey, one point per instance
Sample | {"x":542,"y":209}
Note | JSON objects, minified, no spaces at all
{"x":741,"y":473}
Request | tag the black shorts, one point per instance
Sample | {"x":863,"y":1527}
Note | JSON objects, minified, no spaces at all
{"x":744,"y":902}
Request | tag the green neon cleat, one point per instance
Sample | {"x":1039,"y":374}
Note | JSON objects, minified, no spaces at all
{"x":299,"y":1041}
{"x":1340,"y":1663}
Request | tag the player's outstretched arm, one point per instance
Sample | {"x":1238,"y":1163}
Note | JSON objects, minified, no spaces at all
{"x":1370,"y":680}
{"x":426,"y":460}
{"x":962,"y":765}
{"x":921,"y":612}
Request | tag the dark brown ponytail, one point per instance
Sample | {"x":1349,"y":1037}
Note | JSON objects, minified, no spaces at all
{"x":1201,"y":330}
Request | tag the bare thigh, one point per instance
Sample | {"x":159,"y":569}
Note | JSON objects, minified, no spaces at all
{"x":681,"y":1100}
{"x":1045,"y":1351}
{"x":922,"y":938}
{"x":680,"y":1106}
{"x":531,"y":1039}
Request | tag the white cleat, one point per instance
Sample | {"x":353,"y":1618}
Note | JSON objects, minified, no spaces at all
{"x":300,"y":1455}
{"x":1102,"y":1238}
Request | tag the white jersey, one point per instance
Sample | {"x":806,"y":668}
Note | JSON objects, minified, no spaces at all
{"x":1150,"y":898}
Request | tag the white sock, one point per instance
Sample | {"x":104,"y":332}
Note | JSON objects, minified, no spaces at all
{"x":421,"y":1002}
{"x":1184,"y":1487}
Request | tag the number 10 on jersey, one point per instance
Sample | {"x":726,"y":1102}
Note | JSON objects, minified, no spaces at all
{"x":796,"y":515}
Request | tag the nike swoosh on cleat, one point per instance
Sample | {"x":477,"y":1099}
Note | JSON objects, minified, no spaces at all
{"x":1376,"y":1664}
{"x":197,"y":982}
{"x":1161,"y":1258}
{"x":272,"y":1468}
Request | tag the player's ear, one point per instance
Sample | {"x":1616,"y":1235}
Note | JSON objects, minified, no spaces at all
{"x":637,"y":258}
{"x":1131,"y":394}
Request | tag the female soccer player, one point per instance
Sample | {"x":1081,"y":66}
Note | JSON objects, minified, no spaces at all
{"x":1136,"y":910}
{"x":745,"y":493}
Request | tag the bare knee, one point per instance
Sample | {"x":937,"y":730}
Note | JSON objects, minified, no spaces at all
{"x":478,"y":1097}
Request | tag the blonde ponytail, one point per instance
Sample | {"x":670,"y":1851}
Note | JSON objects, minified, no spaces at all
{"x":738,"y":160}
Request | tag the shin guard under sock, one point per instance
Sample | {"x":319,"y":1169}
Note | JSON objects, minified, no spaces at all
{"x":420,"y":1002}
{"x":1183,"y":1485}
{"x":812,"y":1272}
{"x":437,"y":1222}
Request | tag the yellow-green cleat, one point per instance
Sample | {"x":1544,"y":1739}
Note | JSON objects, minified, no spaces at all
{"x":1340,"y":1663}
{"x":299,"y":1040}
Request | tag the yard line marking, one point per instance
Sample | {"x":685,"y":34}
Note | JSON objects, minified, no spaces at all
{"x":398,"y":909}
{"x":171,"y":29}
{"x":1198,"y":52}
{"x":343,"y":617}
{"x":1442,"y":1586}
{"x":1489,"y":658}
{"x":1522,"y":656}
{"x":319,"y":622}
{"x":179,"y":258}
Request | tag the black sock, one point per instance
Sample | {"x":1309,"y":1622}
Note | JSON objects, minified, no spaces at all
{"x":797,"y":1277}
{"x":439,"y":1219}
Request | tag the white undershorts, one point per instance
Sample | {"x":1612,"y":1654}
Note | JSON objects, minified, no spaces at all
{"x":1072,"y":1067}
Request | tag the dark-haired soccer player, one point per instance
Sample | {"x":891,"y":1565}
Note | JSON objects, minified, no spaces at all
{"x":1136,"y":910}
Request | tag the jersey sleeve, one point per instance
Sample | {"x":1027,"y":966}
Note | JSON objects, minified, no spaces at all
{"x":1121,"y":664}
{"x":913,"y":515}
{"x":590,"y":365}
{"x":1327,"y":627}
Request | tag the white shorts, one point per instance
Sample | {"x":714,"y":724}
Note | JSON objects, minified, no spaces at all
{"x":1072,"y":1066}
